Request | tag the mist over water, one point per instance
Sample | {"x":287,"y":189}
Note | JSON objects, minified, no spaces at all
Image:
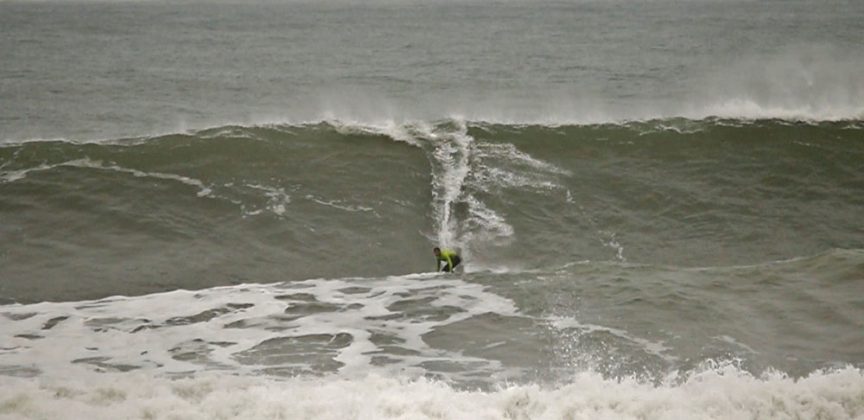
{"x":217,"y":209}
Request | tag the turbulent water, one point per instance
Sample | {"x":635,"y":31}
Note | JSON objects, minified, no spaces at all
{"x":227,"y":211}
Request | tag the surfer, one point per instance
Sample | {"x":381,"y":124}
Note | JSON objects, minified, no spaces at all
{"x":450,"y":258}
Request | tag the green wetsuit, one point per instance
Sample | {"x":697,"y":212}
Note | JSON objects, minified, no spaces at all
{"x":450,"y":258}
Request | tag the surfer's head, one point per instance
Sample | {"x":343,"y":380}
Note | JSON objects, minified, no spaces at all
{"x":437,"y":251}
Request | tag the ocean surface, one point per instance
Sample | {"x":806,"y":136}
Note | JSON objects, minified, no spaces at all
{"x":216,"y":209}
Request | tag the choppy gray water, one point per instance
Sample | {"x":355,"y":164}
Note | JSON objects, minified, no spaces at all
{"x":228,"y":210}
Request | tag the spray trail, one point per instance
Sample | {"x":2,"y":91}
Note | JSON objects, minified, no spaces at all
{"x":450,"y":156}
{"x":465,"y":172}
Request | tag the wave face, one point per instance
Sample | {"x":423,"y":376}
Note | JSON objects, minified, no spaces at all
{"x":263,"y":204}
{"x":656,"y":262}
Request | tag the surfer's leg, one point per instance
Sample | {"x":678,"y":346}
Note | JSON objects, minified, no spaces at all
{"x":456,"y":261}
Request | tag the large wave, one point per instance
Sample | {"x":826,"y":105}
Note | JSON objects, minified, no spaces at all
{"x":614,"y":271}
{"x":321,"y":192}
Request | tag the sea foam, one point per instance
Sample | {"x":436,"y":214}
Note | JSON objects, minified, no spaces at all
{"x":720,"y":393}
